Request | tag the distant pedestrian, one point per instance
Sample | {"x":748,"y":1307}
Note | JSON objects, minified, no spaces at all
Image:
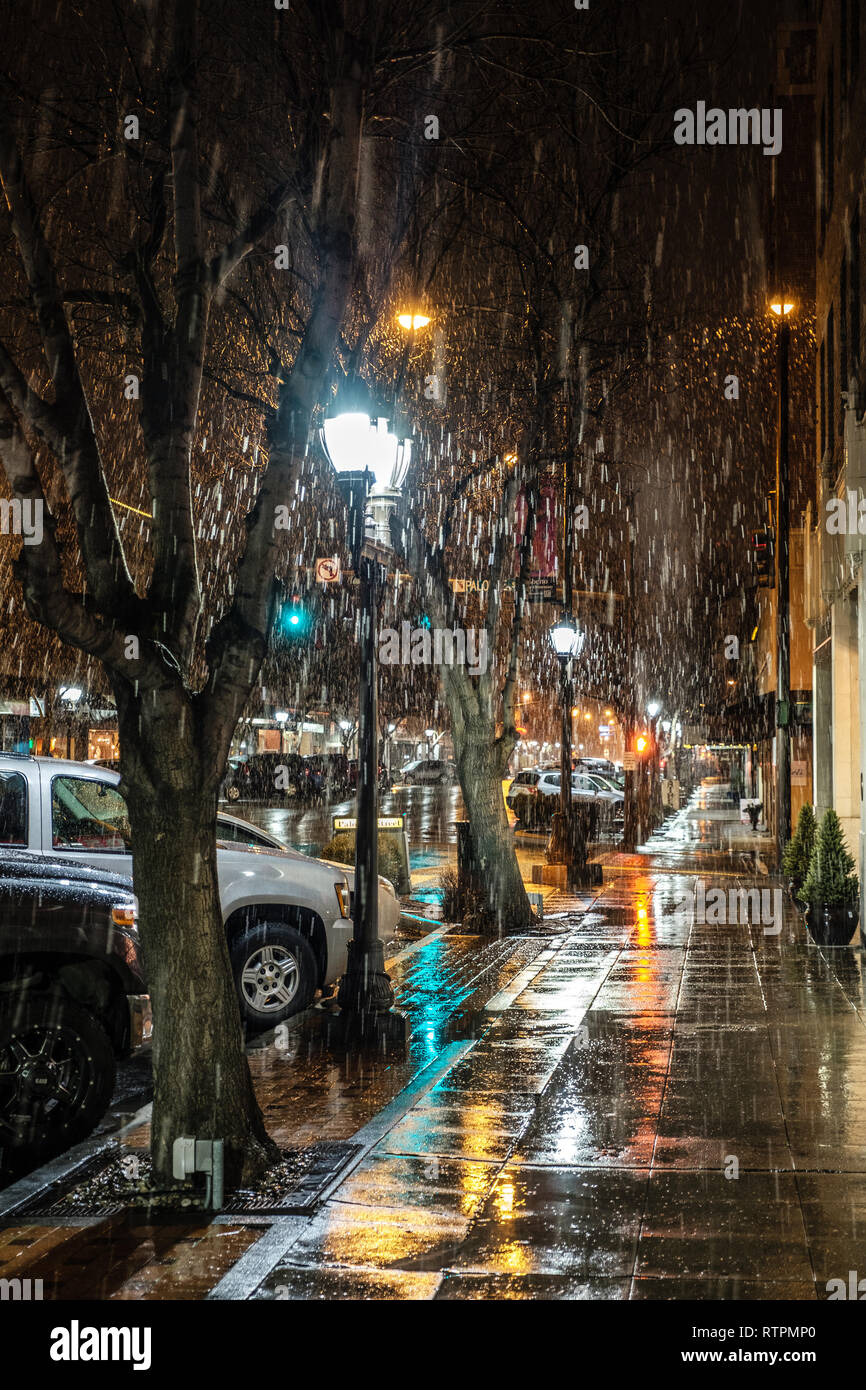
{"x":754,"y":808}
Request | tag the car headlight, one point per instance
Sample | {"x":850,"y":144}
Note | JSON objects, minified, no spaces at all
{"x":342,"y":893}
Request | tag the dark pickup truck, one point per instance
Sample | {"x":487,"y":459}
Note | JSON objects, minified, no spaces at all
{"x":72,"y":1000}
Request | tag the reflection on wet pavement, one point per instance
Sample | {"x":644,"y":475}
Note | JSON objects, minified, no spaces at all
{"x":653,"y":1115}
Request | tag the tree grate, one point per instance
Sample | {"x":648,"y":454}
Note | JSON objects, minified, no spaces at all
{"x":104,"y":1185}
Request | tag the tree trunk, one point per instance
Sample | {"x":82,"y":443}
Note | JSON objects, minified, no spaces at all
{"x":172,"y":802}
{"x":479,"y":767}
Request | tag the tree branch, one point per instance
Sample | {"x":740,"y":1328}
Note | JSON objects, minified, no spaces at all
{"x":72,"y":435}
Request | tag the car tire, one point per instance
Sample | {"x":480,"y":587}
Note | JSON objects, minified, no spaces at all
{"x":233,"y":793}
{"x":57,"y":1074}
{"x":272,"y":954}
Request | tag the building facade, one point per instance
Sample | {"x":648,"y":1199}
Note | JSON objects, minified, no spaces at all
{"x":835,"y":600}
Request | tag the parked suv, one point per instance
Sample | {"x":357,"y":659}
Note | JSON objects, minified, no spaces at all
{"x":429,"y":772}
{"x":269,"y":776}
{"x":287,"y":917}
{"x":72,"y":998}
{"x":535,"y":793}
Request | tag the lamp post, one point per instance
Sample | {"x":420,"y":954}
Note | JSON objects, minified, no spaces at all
{"x":365,"y":452}
{"x":782,"y":308}
{"x":654,"y":709}
{"x":567,"y":837}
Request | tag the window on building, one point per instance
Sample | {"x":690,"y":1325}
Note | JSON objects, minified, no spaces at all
{"x":822,"y":388}
{"x":831,"y":376}
{"x":829,"y":172}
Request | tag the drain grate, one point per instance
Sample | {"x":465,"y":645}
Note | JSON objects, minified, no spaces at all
{"x":322,"y":1163}
{"x":102,"y":1187}
{"x":58,"y":1197}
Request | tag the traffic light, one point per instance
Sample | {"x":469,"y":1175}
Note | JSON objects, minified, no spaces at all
{"x":762,"y":549}
{"x":295,"y":622}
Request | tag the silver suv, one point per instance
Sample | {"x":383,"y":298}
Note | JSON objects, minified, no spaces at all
{"x":287,"y":917}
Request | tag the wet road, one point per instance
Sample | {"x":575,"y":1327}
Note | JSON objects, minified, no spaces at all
{"x":430,"y":815}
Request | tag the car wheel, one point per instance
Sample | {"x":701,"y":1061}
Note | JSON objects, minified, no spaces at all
{"x":233,"y":793}
{"x":275,"y":974}
{"x":57,"y":1074}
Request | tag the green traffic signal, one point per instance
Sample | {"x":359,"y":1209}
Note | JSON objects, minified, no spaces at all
{"x":295,"y":621}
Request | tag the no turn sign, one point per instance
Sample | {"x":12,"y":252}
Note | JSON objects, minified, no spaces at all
{"x":328,"y":570}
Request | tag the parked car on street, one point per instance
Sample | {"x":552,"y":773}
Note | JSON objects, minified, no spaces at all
{"x":534,"y":795}
{"x":73,"y":998}
{"x":601,"y":765}
{"x":287,"y":917}
{"x":269,"y":777}
{"x":429,"y":772}
{"x":591,"y":785}
{"x":607,"y":784}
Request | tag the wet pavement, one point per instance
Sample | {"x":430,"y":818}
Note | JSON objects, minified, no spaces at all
{"x":641,"y":1105}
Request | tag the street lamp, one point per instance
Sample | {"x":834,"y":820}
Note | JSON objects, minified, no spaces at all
{"x":365,"y":451}
{"x":782,"y":307}
{"x":413,"y":322}
{"x":567,"y":840}
{"x":566,"y":637}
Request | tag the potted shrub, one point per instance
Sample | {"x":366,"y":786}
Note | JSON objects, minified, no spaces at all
{"x":831,"y":891}
{"x":797,"y":853}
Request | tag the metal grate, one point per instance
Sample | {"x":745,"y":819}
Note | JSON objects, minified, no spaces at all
{"x":322,"y":1163}
{"x":292,"y":1187}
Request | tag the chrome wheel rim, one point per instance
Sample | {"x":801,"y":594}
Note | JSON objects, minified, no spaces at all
{"x":270,"y":979}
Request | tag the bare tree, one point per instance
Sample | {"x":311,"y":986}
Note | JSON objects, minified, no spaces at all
{"x":159,"y":254}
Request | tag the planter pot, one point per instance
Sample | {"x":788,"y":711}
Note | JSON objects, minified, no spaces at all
{"x":832,"y":925}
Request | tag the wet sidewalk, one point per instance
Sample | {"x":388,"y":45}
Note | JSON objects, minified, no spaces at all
{"x":642,"y":1105}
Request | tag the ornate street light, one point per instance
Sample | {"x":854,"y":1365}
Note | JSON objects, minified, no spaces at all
{"x":567,"y":841}
{"x":566,"y":637}
{"x":367,"y":454}
{"x":782,"y":306}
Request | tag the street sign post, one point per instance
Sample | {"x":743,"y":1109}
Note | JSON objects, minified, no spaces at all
{"x":394,"y":828}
